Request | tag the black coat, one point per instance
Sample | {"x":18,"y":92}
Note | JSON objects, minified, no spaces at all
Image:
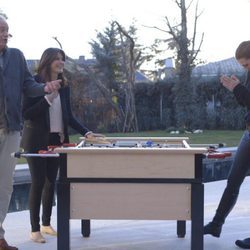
{"x":242,"y":92}
{"x":36,"y":129}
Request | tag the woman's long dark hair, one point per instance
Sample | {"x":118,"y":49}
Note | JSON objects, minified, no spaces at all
{"x":48,"y":57}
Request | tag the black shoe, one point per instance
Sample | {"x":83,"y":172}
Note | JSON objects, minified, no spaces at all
{"x":243,"y":243}
{"x":4,"y":245}
{"x":213,"y":228}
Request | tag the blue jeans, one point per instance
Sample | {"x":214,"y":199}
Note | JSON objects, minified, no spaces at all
{"x":239,"y":170}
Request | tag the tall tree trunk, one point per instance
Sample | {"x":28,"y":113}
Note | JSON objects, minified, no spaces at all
{"x":184,"y":92}
{"x":130,"y":121}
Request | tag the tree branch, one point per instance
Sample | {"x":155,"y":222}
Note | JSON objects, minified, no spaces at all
{"x":54,"y":37}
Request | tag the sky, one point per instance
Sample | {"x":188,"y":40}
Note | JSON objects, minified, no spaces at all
{"x":33,"y":23}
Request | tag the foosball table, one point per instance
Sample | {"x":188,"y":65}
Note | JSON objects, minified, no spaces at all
{"x":131,"y":178}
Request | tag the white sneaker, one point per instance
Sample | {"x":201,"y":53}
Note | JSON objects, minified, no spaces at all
{"x":48,"y":230}
{"x":37,"y":237}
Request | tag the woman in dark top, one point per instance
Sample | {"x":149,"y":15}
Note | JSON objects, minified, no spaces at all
{"x":46,"y":121}
{"x":241,"y":164}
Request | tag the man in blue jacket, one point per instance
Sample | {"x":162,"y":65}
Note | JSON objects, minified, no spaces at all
{"x":15,"y":80}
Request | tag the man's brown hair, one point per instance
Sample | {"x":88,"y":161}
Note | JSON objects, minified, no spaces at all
{"x":243,"y":50}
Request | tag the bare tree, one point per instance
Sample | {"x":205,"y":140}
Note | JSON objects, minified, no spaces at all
{"x":56,"y":39}
{"x":118,"y":58}
{"x":125,"y":57}
{"x":186,"y":50}
{"x":130,"y":58}
{"x":186,"y":54}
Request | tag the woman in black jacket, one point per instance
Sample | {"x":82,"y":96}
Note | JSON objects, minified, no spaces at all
{"x":46,"y":121}
{"x":241,"y":164}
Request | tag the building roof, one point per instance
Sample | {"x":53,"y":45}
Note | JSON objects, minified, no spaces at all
{"x":227,"y":66}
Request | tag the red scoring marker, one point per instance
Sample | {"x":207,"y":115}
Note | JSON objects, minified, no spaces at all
{"x":45,"y":152}
{"x":218,"y":155}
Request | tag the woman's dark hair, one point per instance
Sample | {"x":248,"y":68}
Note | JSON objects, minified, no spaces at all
{"x":243,"y":50}
{"x":47,"y":58}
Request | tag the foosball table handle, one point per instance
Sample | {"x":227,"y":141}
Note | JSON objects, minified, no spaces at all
{"x":41,"y":153}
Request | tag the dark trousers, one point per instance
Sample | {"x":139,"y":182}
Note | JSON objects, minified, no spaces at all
{"x":43,"y":177}
{"x":240,"y":168}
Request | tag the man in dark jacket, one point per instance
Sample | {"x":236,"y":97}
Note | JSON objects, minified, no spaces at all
{"x":15,"y":80}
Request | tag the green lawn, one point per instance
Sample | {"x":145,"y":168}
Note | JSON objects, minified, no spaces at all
{"x":228,"y":137}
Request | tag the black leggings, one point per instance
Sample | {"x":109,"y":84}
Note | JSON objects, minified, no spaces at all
{"x":240,"y":168}
{"x":43,"y":177}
